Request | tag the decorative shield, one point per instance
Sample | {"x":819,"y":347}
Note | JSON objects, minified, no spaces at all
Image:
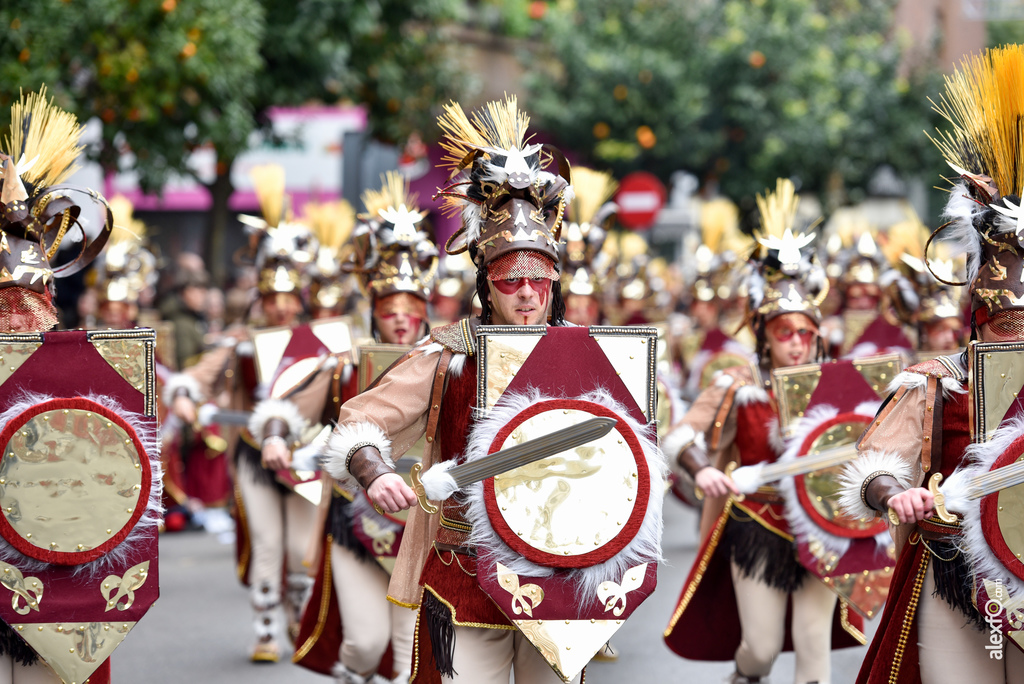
{"x":834,"y":403}
{"x":79,"y":507}
{"x":992,"y":532}
{"x":567,"y":544}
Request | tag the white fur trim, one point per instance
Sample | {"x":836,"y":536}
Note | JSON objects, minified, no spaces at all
{"x":456,"y":365}
{"x":855,"y":472}
{"x":282,"y":409}
{"x":245,"y":348}
{"x":644,"y":548}
{"x":681,"y":438}
{"x":183,"y":381}
{"x":804,"y":528}
{"x":912,"y":380}
{"x":265,"y":596}
{"x":750,"y":394}
{"x":862,"y":350}
{"x":723,"y":380}
{"x":124,"y":553}
{"x":437,"y":483}
{"x":775,"y":440}
{"x":748,"y":478}
{"x":972,"y":542}
{"x":347,"y":436}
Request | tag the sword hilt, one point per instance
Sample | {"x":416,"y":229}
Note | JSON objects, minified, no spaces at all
{"x":421,"y":493}
{"x":939,"y":503}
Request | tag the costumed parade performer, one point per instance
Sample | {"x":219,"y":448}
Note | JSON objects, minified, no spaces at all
{"x":72,"y":441}
{"x":746,"y":577}
{"x":490,"y":601}
{"x":396,"y":263}
{"x":934,"y":627}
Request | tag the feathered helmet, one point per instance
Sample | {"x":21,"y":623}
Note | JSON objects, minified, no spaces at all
{"x":984,"y":102}
{"x":584,"y":265}
{"x":722,"y":243}
{"x":332,"y":223}
{"x":39,"y":212}
{"x":284,"y":249}
{"x":786,"y":277}
{"x":852,"y":250}
{"x":508,"y":203}
{"x":917,"y":296}
{"x":390,"y":251}
{"x":126,"y":268}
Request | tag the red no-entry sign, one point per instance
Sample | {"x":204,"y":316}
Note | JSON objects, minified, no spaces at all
{"x":640,"y":197}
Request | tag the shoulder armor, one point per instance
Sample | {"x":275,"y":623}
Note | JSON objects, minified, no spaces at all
{"x":457,"y":337}
{"x":941,"y":367}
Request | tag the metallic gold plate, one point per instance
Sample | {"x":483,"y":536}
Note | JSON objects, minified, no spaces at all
{"x":70,"y":480}
{"x":74,"y":649}
{"x":560,"y":505}
{"x":996,"y":372}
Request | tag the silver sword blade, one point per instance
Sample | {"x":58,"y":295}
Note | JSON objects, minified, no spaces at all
{"x":996,"y":480}
{"x":521,"y":454}
{"x":223,"y":417}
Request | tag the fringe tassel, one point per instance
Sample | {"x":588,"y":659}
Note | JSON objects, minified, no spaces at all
{"x":763,"y":555}
{"x":13,"y":645}
{"x":953,"y":582}
{"x":340,"y":525}
{"x":441,"y":628}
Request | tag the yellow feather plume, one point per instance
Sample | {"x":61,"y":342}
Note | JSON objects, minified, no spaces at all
{"x":394,"y":192}
{"x":501,"y":125}
{"x":593,"y":189}
{"x":984,"y":101}
{"x":778,"y":209}
{"x":268,"y":183}
{"x":331,"y":222}
{"x":51,"y":137}
{"x":906,"y":237}
{"x":127,"y":228}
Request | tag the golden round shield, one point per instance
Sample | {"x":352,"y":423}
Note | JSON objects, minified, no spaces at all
{"x":74,"y":480}
{"x":818,"y":492}
{"x":577,"y":507}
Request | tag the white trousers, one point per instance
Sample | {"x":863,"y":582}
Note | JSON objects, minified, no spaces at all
{"x":369,"y":620}
{"x":952,"y":651}
{"x":762,"y":611}
{"x":280,"y":528}
{"x":487,"y":656}
{"x":16,"y":673}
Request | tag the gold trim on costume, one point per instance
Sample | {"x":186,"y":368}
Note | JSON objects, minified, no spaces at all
{"x":455,"y":620}
{"x":325,"y":605}
{"x":758,"y":519}
{"x":243,"y":560}
{"x":844,"y":621}
{"x":908,"y":619}
{"x":702,"y":566}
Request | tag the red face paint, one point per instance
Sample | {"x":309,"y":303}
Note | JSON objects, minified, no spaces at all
{"x":541,"y":286}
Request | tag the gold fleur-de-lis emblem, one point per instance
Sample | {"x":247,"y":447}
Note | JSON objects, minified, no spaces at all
{"x":383,"y":540}
{"x":28,"y":588}
{"x":524,"y":598}
{"x":115,"y":588}
{"x":613,"y":595}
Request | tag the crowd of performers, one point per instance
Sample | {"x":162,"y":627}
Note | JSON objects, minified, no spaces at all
{"x":821,"y":390}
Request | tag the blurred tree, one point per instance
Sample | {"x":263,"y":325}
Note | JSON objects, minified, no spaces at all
{"x":741,"y":91}
{"x":166,"y":77}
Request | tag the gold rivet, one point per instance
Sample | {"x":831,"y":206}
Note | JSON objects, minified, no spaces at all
{"x":28,"y":535}
{"x":430,"y":438}
{"x":108,"y":531}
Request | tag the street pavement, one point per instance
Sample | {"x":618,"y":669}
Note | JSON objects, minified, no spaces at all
{"x":200,"y":630}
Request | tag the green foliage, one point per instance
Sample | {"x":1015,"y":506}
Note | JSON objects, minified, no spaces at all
{"x":156,"y":73}
{"x":390,"y":55}
{"x":167,"y":76}
{"x":1004,"y":32}
{"x":741,"y":91}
